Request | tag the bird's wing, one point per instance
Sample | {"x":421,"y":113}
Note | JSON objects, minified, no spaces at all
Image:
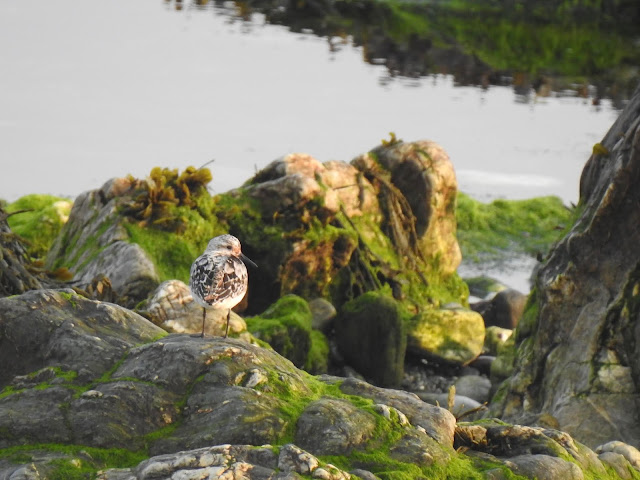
{"x":215,"y":279}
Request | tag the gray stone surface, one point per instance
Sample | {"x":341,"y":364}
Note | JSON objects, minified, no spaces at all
{"x":577,"y":344}
{"x":93,"y":243}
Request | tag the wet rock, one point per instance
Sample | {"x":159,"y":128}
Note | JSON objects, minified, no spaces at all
{"x":371,"y":337}
{"x":576,"y":342}
{"x":528,"y":451}
{"x":454,"y":336}
{"x":618,"y":463}
{"x":338,"y":230}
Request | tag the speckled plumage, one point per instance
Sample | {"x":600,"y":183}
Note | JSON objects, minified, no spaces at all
{"x":219,"y":276}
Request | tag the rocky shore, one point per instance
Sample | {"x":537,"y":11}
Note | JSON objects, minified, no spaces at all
{"x":356,"y":353}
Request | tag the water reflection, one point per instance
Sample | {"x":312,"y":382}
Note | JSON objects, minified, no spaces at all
{"x":414,"y":40}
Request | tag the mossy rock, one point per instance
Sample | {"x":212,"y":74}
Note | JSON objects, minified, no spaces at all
{"x":455,"y":336}
{"x":371,"y":336}
{"x":286,"y":326}
{"x":41,"y":221}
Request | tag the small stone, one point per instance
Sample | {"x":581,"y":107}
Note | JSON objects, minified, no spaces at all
{"x":92,"y":394}
{"x":295,"y":459}
{"x":632,"y":454}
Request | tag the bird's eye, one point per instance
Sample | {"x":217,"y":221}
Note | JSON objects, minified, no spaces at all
{"x":229,"y":247}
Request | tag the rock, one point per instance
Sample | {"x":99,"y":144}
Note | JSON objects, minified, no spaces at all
{"x":545,"y":467}
{"x":474,"y":386}
{"x":494,"y":338}
{"x":230,"y":461}
{"x":323,"y":313}
{"x":286,"y":326}
{"x":371,"y":337}
{"x":462,"y":406}
{"x":618,"y":462}
{"x":15,"y":277}
{"x":484,"y":287}
{"x":93,"y":243}
{"x":454,"y":336}
{"x":424,"y":174}
{"x":503,"y":310}
{"x":438,"y":423}
{"x":171,"y":307}
{"x":57,"y":328}
{"x":337,"y":230}
{"x":528,"y":451}
{"x":333,"y":427}
{"x":627,"y":451}
{"x":576,"y":356}
{"x":90,"y":388}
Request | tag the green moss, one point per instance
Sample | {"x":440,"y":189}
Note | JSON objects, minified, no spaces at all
{"x":530,"y":227}
{"x":42,"y":223}
{"x":286,"y":326}
{"x":84,"y":462}
{"x":9,"y":390}
{"x":318,"y":358}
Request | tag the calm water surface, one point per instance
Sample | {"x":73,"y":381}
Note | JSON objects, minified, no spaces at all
{"x":91,"y":90}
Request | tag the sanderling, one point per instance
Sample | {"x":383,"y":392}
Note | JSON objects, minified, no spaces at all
{"x":219,"y":276}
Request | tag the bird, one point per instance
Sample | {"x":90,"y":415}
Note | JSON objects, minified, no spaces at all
{"x":219,"y":277}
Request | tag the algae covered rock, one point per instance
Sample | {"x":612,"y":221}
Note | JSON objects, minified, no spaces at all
{"x":40,"y":219}
{"x":455,"y":336}
{"x":371,"y":336}
{"x":337,"y":230}
{"x":286,"y":326}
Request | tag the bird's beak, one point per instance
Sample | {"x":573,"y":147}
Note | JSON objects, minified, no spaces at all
{"x":247,"y":260}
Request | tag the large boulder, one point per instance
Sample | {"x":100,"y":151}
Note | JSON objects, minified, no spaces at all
{"x":337,"y":230}
{"x":447,"y":335}
{"x":94,"y":243}
{"x":576,"y":345}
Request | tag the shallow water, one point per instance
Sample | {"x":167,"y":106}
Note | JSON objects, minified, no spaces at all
{"x":92,"y":90}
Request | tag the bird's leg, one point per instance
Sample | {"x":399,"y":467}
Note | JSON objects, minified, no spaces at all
{"x":228,"y":318}
{"x":204,"y":315}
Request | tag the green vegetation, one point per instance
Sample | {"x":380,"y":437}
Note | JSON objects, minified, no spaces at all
{"x":75,"y":461}
{"x":286,"y":326}
{"x":172,"y":219}
{"x":529,"y":227}
{"x":40,"y":220}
